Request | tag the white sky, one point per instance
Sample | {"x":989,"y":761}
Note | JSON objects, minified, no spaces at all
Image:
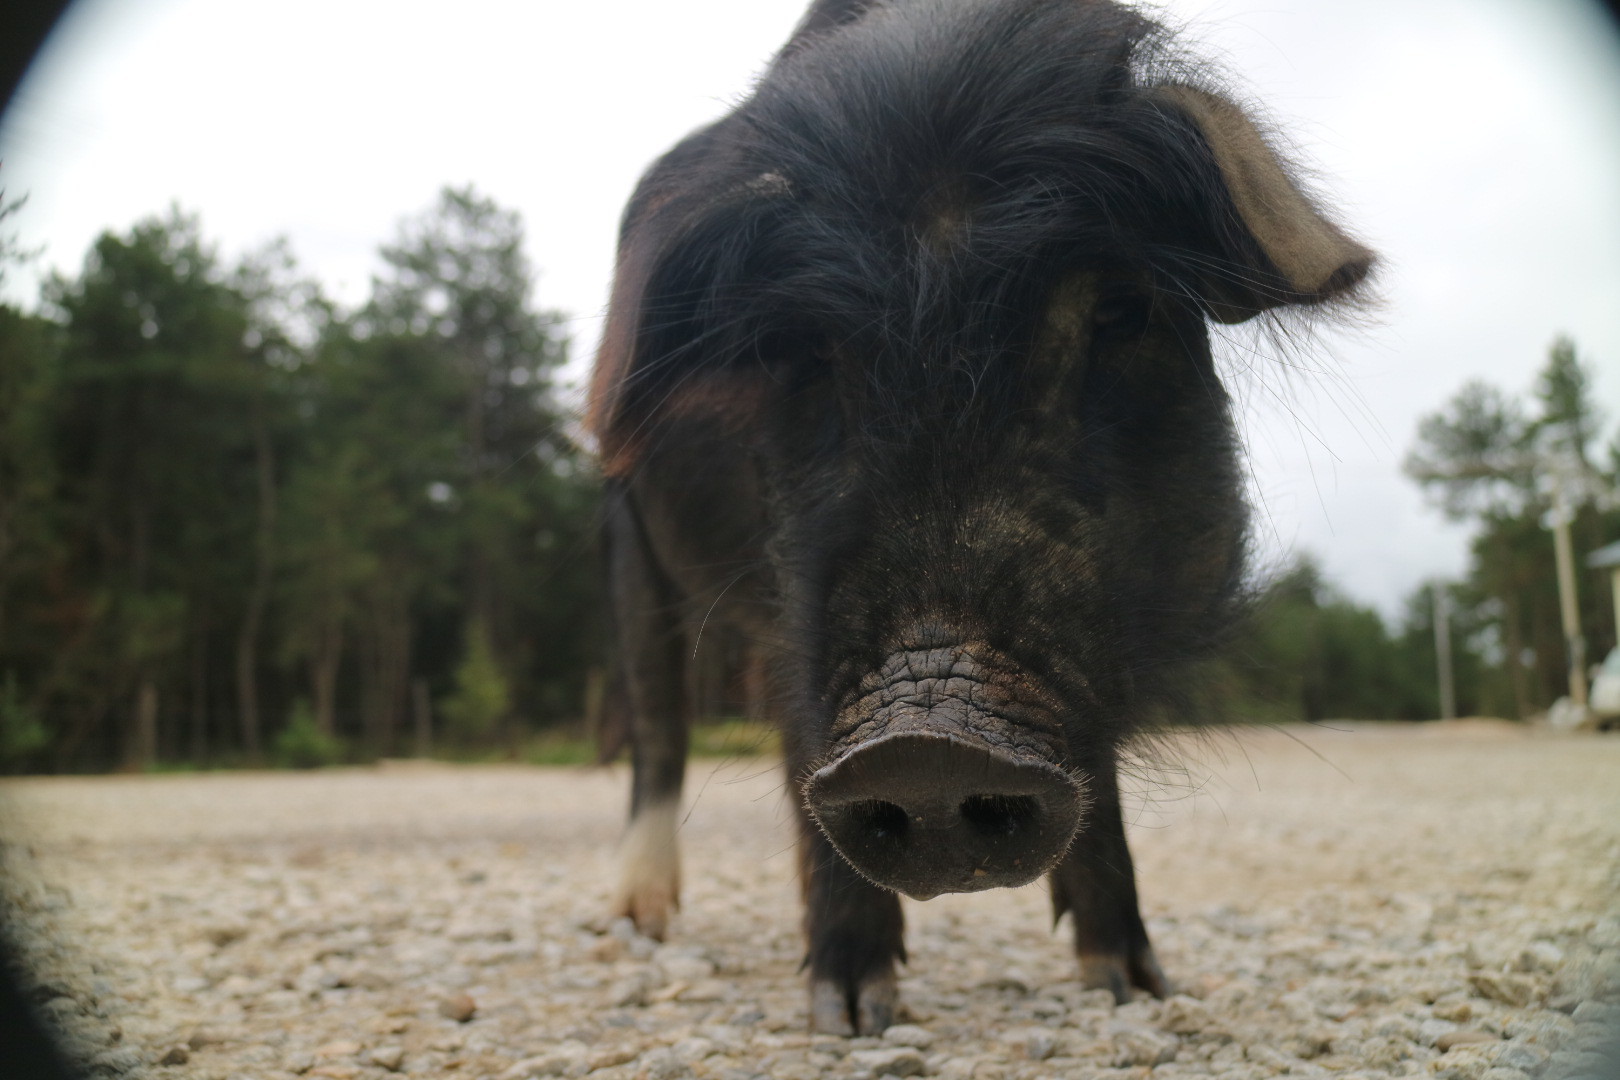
{"x":1475,"y":143}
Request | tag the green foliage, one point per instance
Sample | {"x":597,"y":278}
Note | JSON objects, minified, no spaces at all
{"x":482,"y":697}
{"x":1570,"y":419}
{"x":735,"y":737}
{"x":1474,"y":454}
{"x":301,"y":744}
{"x":1309,"y":653}
{"x":22,"y":734}
{"x":559,"y":748}
{"x":217,"y":486}
{"x":11,"y":252}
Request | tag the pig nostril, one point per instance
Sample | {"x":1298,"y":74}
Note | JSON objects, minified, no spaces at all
{"x":880,"y":820}
{"x":998,"y":815}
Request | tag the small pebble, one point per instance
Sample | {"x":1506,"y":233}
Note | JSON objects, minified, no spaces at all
{"x":458,"y":1007}
{"x":1463,"y":1038}
{"x":910,"y":1035}
{"x":344,"y":1048}
{"x":389,"y":1057}
{"x":1036,"y":1044}
{"x":207,"y":1036}
{"x":901,"y":1061}
{"x":706,"y":990}
{"x":1459,"y":1011}
{"x":663,"y":1064}
{"x":1514,"y":990}
{"x":557,"y":1063}
{"x":605,"y":1059}
{"x":1184,"y":1015}
{"x":122,"y":1060}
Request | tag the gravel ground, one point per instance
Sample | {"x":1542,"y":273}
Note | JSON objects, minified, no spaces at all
{"x":1364,"y":901}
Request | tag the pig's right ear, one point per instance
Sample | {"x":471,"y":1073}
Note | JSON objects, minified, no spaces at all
{"x":1275,"y":247}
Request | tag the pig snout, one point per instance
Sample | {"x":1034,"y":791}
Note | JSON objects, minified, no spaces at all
{"x":925,"y":813}
{"x":934,"y":793}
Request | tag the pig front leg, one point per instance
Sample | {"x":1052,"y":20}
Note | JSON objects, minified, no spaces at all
{"x":1096,"y":884}
{"x":855,"y":934}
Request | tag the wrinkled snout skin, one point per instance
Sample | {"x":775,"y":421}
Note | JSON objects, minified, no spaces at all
{"x":907,"y":376}
{"x":944,"y":777}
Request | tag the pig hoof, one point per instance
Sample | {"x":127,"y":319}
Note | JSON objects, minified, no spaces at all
{"x":650,"y":876}
{"x":868,"y":1010}
{"x":1118,"y":973}
{"x":649,"y":908}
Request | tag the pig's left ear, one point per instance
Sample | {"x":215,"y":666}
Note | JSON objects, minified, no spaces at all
{"x":1281,"y":250}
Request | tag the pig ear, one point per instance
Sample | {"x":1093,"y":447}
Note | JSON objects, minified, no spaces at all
{"x":1286,"y":251}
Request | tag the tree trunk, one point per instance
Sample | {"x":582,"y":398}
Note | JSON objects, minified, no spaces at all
{"x":1515,"y":657}
{"x":422,"y":713}
{"x":247,"y":637}
{"x":385,"y":658}
{"x":480,"y":565}
{"x":197,"y":750}
{"x":323,"y":675}
{"x":368,"y":642}
{"x":143,"y":747}
{"x":396,"y":672}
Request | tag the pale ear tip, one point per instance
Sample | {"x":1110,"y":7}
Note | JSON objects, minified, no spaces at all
{"x":1353,"y":272}
{"x":1347,"y":286}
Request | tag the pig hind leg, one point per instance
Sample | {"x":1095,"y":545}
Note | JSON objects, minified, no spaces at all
{"x":651,"y":656}
{"x":1096,"y":884}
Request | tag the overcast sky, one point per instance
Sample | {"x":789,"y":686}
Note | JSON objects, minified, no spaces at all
{"x":1474,"y":143}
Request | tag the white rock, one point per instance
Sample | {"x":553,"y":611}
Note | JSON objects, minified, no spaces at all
{"x":1138,"y":1044}
{"x":564,"y":1059}
{"x":389,"y":1057}
{"x":706,"y":990}
{"x":958,"y":1068}
{"x":910,"y":1035}
{"x":1597,"y":1013}
{"x":1541,"y":956}
{"x":1184,"y":1015}
{"x":1395,"y":1026}
{"x":1430,"y":1031}
{"x":662,"y":1063}
{"x":693,"y":1049}
{"x":900,"y":1061}
{"x":1095,"y":999}
{"x":1523,"y":1056}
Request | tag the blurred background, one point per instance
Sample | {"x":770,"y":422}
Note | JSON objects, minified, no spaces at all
{"x":296,"y":302}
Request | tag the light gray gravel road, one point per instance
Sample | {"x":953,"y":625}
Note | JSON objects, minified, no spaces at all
{"x":1363,"y":901}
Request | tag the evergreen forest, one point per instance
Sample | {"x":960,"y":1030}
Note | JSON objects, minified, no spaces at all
{"x":241,"y":524}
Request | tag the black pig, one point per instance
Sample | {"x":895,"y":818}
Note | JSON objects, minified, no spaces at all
{"x":907,"y":373}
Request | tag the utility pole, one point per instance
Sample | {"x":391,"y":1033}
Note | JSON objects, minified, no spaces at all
{"x":1442,"y":651}
{"x":1574,"y":643}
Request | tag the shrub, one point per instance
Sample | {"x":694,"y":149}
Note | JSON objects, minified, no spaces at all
{"x":302,"y":744}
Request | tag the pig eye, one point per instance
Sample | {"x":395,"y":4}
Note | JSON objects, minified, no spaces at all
{"x":1121,"y":313}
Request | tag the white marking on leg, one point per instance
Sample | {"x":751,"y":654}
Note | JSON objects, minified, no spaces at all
{"x":650,"y":870}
